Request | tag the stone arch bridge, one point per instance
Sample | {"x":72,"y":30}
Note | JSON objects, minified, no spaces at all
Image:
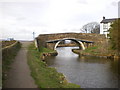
{"x":84,"y":40}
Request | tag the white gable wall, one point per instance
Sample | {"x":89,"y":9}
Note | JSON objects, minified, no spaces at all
{"x":101,"y":28}
{"x":104,"y":27}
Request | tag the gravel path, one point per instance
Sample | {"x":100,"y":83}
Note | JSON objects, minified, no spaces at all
{"x":19,"y":74}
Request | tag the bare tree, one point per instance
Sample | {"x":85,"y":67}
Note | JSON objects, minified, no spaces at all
{"x":92,"y":27}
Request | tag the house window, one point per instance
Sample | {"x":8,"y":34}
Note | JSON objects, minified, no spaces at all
{"x":105,"y":26}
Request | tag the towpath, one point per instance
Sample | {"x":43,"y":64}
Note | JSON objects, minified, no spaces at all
{"x":19,"y":75}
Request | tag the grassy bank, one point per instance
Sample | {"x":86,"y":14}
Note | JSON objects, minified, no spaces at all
{"x":99,"y":50}
{"x":44,"y":76}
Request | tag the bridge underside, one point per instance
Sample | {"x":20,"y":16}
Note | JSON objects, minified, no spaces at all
{"x":81,"y":43}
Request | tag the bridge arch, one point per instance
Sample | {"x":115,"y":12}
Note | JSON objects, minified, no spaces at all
{"x":79,"y":42}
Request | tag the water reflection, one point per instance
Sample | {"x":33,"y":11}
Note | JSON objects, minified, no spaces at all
{"x":89,"y":72}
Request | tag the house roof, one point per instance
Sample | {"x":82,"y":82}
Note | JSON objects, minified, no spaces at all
{"x":108,"y":20}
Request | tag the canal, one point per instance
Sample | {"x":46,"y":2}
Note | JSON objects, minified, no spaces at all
{"x":86,"y":71}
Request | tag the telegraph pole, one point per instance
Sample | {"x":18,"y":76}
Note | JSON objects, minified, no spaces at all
{"x":33,"y":35}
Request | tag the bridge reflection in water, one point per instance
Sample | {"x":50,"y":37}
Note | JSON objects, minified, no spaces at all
{"x":89,"y":72}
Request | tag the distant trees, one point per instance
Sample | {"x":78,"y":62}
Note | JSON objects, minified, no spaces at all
{"x":115,"y":35}
{"x":92,"y":27}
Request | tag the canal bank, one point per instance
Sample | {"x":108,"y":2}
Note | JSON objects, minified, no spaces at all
{"x":100,"y":49}
{"x":90,"y":52}
{"x":44,"y":76}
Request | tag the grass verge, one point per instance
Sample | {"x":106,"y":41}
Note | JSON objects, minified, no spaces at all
{"x":92,"y":50}
{"x":97,"y":50}
{"x":44,"y":76}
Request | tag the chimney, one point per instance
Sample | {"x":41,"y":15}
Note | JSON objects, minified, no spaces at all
{"x":103,"y":17}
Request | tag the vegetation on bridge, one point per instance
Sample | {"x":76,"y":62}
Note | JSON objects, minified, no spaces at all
{"x":44,"y":76}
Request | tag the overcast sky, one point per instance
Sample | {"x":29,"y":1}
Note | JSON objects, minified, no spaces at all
{"x":19,"y":19}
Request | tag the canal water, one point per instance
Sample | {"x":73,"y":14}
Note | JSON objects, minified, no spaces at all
{"x":86,"y":71}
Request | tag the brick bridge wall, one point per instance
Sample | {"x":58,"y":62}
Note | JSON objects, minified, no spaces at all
{"x":42,"y":38}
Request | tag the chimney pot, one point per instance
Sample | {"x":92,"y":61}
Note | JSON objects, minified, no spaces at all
{"x":103,"y":17}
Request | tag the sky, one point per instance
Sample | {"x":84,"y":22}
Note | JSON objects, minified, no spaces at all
{"x":20,"y":18}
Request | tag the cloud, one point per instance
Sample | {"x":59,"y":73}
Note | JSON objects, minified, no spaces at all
{"x":20,"y":18}
{"x":119,"y":9}
{"x":51,"y":16}
{"x":24,"y":1}
{"x":114,"y":3}
{"x":82,"y":1}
